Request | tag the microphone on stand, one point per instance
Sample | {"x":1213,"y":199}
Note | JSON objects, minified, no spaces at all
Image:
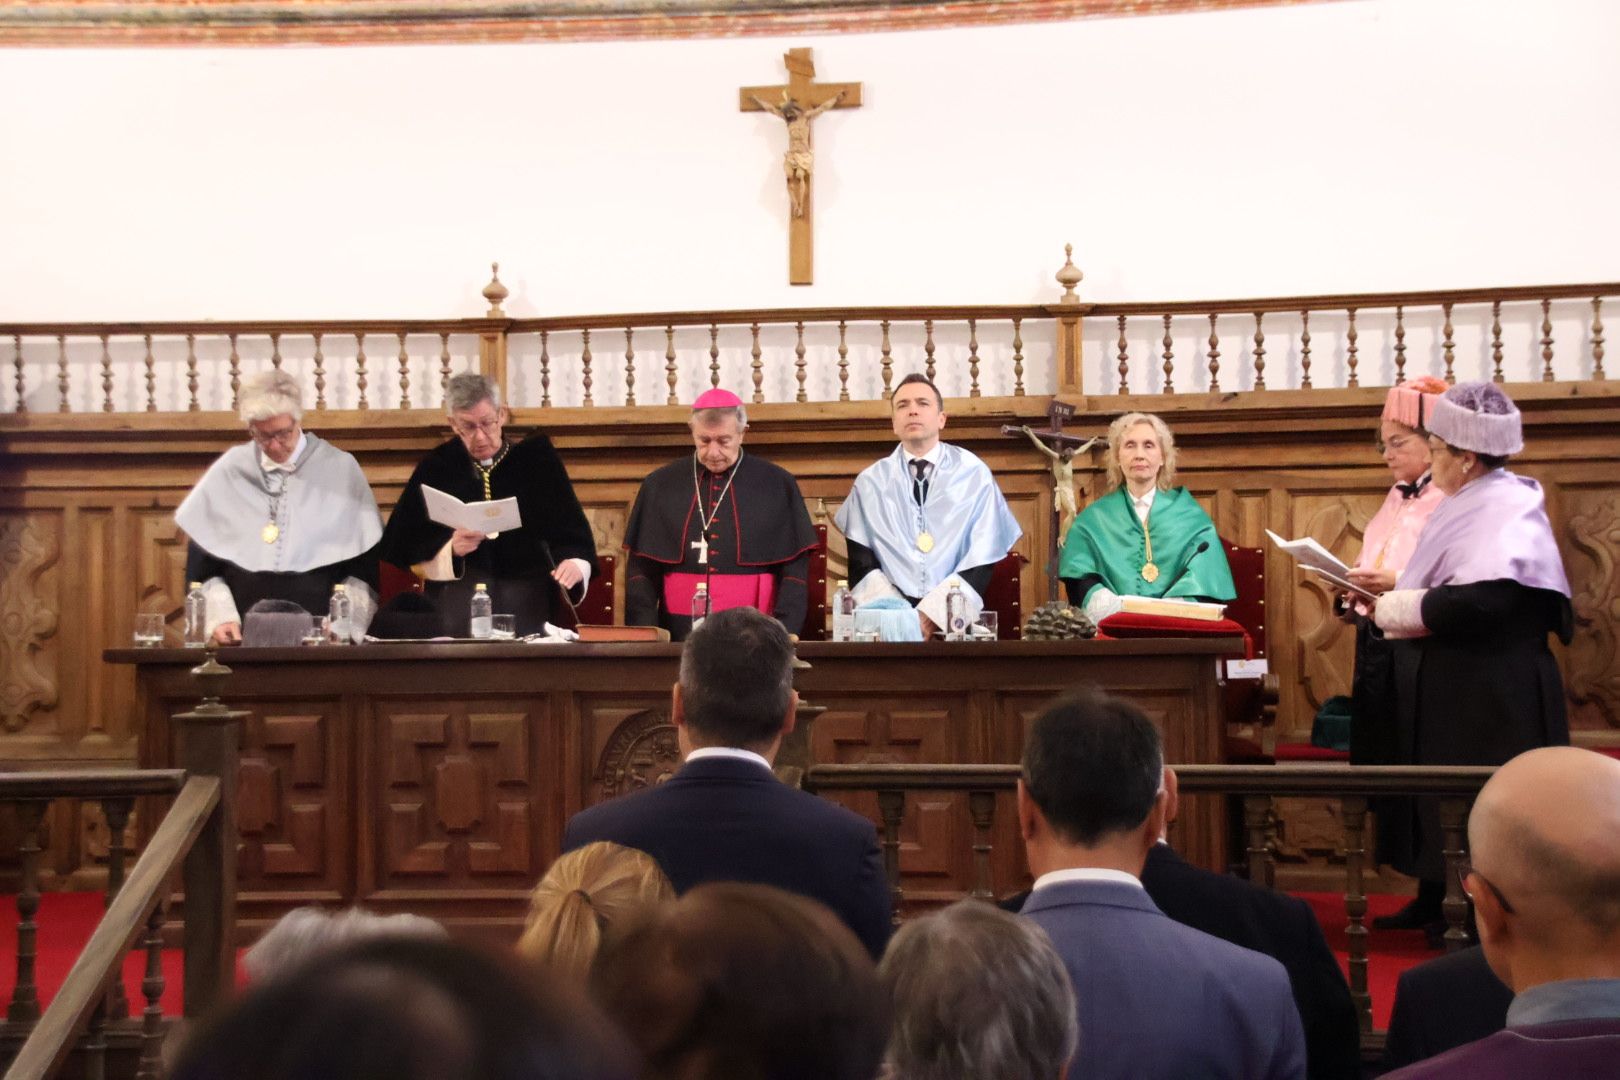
{"x":1186,"y":564}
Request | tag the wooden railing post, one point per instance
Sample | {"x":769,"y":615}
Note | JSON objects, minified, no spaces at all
{"x":1354,"y":811}
{"x":1453,"y":821}
{"x":892,"y":808}
{"x":492,"y":341}
{"x":982,"y":808}
{"x":1068,"y":312}
{"x":209,"y":738}
{"x":24,"y":1008}
{"x":1257,"y":828}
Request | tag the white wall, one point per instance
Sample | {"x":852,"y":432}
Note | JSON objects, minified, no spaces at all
{"x":1369,"y":144}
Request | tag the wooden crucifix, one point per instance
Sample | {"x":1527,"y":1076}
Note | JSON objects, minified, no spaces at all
{"x":1061,"y":452}
{"x":797,"y":103}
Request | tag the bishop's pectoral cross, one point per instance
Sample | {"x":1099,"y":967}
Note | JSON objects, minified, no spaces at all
{"x":797,"y":103}
{"x":701,"y":546}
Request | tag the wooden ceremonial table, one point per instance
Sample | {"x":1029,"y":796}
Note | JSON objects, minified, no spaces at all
{"x":437,"y":778}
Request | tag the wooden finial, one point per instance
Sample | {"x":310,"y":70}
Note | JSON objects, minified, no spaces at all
{"x":1069,"y":276}
{"x":495,"y":292}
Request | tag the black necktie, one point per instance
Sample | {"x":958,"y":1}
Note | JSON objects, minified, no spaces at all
{"x":919,"y":487}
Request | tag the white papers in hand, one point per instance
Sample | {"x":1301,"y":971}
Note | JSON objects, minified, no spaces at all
{"x":495,"y":516}
{"x":1311,"y":555}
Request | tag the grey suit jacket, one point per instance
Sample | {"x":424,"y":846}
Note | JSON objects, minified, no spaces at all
{"x":1161,"y":1000}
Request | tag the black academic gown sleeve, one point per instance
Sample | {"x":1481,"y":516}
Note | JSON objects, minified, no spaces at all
{"x":310,"y":589}
{"x":862,"y":561}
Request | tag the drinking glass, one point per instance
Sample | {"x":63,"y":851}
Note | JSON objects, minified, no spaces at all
{"x":502,"y":627}
{"x":315,"y":632}
{"x":986,"y":628}
{"x":149,"y":627}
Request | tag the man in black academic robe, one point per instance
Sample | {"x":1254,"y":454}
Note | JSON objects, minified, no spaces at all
{"x":521,"y":567}
{"x":732,"y":523}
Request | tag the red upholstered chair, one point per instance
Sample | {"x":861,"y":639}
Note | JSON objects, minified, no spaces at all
{"x":596,"y":609}
{"x":818,"y":596}
{"x":392,"y":580}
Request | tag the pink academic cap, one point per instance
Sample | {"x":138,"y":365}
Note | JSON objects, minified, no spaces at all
{"x":1412,"y":402}
{"x":717,"y":399}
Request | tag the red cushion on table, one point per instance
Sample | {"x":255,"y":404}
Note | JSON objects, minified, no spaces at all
{"x":1307,"y":752}
{"x":1125,"y":624}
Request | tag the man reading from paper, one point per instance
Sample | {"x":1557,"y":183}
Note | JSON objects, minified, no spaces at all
{"x":728,"y":521}
{"x":553,"y":542}
{"x":285,"y":516}
{"x":927,"y":513}
{"x":1145,"y":537}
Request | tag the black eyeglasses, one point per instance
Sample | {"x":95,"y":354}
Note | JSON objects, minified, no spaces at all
{"x":1465,"y":869}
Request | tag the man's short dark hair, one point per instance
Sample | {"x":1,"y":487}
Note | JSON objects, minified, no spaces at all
{"x":1094,"y":764}
{"x":917,"y":377}
{"x":737,"y":678}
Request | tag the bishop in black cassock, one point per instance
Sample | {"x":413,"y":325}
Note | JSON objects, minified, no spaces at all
{"x":719,"y":518}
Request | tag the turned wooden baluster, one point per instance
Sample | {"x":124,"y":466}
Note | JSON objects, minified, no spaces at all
{"x":629,"y":366}
{"x":117,"y":813}
{"x":928,"y":347}
{"x":799,"y":366}
{"x":107,"y":377}
{"x":843,"y":361}
{"x":1350,"y":357}
{"x":545,"y":369}
{"x":360,"y":367}
{"x":973,"y":358}
{"x":1453,"y":822}
{"x":1496,"y":341}
{"x":1546,"y":341}
{"x":714,"y":355}
{"x":444,"y":361}
{"x":1259,"y":353}
{"x":1448,"y":345}
{"x":892,"y":809}
{"x":152,"y":985}
{"x":585,"y":365}
{"x":62,"y":374}
{"x":1305,"y":349}
{"x":93,"y":1043}
{"x":320,"y":369}
{"x":236,"y":373}
{"x":1124,"y":363}
{"x":1597,"y":346}
{"x":151,"y":376}
{"x":1214,"y":357}
{"x":24,"y":1007}
{"x":757,"y":368}
{"x":404,"y":373}
{"x":888,"y":362}
{"x":1400,"y":344}
{"x":275,"y":349}
{"x":1018,"y":358}
{"x":1257,"y":831}
{"x":22,"y":385}
{"x":982,"y":809}
{"x":671,"y":372}
{"x":191,"y":374}
{"x":1169,"y":387}
{"x":1354,"y":812}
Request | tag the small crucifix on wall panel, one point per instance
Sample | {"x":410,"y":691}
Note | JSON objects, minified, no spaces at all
{"x":797,"y":103}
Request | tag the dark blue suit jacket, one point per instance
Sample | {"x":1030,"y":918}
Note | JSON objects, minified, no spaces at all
{"x":722,"y":819}
{"x":1162,"y":1001}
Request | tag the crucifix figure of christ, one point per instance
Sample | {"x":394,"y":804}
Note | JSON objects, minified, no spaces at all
{"x":797,"y":103}
{"x":1060,"y":448}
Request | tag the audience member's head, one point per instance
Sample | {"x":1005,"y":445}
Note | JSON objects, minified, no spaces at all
{"x":977,"y":993}
{"x":744,"y":982}
{"x":407,"y":1009}
{"x":1093,"y":791}
{"x":584,"y":895}
{"x":307,"y":932}
{"x":736,"y":683}
{"x":1545,"y":879}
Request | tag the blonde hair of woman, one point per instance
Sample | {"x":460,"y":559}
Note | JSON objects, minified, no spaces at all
{"x":581,"y":897}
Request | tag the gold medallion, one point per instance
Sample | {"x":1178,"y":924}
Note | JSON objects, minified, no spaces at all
{"x":269,"y":533}
{"x":1150,"y":573}
{"x":925,"y":542}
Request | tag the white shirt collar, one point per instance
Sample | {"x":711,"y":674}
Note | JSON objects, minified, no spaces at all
{"x":1086,"y":873}
{"x":734,"y":753}
{"x":932,"y":457}
{"x":292,"y":459}
{"x":1144,"y":505}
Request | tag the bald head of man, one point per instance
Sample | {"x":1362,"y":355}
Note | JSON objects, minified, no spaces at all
{"x":1545,"y":848}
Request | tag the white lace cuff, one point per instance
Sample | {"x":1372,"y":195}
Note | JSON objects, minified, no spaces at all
{"x":1399,"y":613}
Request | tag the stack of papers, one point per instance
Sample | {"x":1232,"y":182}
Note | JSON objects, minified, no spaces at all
{"x":1318,"y":560}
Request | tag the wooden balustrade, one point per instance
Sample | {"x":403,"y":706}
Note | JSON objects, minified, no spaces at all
{"x":197,"y":836}
{"x":1255,"y":785}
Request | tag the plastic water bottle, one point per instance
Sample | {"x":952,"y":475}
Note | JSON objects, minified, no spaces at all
{"x":700,"y":606}
{"x":843,"y":613}
{"x":340,"y":616}
{"x":196,"y":616}
{"x":955,"y":612}
{"x":482,"y":621}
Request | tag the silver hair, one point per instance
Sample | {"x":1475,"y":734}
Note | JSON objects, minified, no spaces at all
{"x":269,"y":393}
{"x":468,"y":389}
{"x":715,"y":416}
{"x":305,"y":933}
{"x":978,"y":992}
{"x":1116,"y":435}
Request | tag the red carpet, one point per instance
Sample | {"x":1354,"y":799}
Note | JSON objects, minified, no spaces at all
{"x":67,"y":919}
